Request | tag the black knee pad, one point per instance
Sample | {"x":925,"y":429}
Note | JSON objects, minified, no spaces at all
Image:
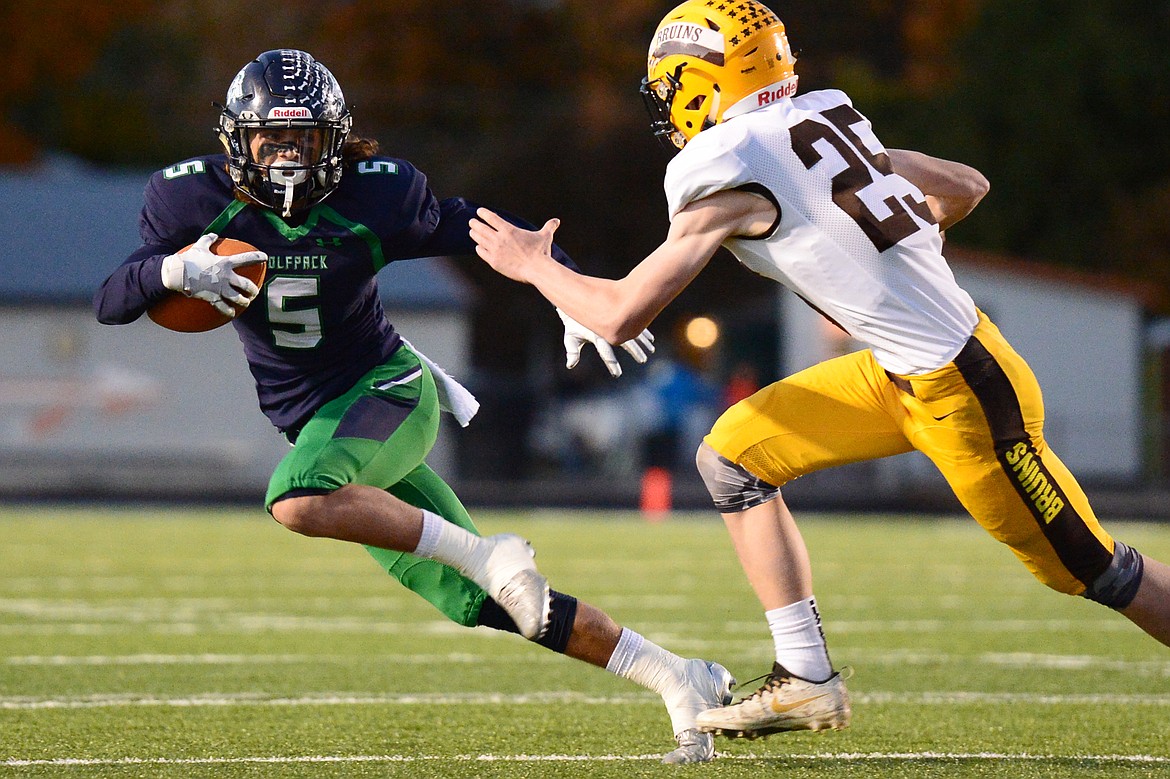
{"x":1116,"y":587}
{"x":562,"y":614}
{"x":732,"y":487}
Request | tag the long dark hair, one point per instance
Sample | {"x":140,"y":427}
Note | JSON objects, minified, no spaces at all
{"x":357,"y":148}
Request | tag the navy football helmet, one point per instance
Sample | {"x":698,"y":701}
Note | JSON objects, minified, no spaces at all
{"x":284,"y":125}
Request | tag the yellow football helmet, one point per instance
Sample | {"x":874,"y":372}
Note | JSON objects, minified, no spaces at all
{"x":711,"y":60}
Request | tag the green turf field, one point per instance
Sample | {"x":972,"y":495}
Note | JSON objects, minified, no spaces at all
{"x":175,"y":643}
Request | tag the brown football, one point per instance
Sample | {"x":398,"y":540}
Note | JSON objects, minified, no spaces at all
{"x":190,"y":315}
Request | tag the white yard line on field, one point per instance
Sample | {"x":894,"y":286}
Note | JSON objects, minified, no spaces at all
{"x":895,"y":657}
{"x":237,"y":615}
{"x":234,"y":624}
{"x":321,"y":699}
{"x":218,"y":659}
{"x":1002,"y":757}
{"x":845,"y":626}
{"x":898,"y":657}
{"x":205,"y":659}
{"x":188,"y":616}
{"x":935,"y":698}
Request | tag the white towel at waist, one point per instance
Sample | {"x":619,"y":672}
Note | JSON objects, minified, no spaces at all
{"x":454,"y":398}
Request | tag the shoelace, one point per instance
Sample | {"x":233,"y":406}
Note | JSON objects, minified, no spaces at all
{"x":774,"y":681}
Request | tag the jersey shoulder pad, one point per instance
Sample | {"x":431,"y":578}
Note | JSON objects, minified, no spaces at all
{"x":382,"y":166}
{"x":386,"y":194}
{"x":194,"y":166}
{"x":383,"y":173}
{"x":710,"y":162}
{"x":191,"y":178}
{"x":386,"y":179}
{"x":182,"y":199}
{"x":821,"y":100}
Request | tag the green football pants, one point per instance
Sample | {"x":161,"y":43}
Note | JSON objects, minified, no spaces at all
{"x":379,"y":433}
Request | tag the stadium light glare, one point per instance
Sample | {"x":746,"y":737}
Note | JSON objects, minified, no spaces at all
{"x":702,"y":332}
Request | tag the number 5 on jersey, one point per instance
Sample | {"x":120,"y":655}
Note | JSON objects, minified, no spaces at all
{"x":294,"y":324}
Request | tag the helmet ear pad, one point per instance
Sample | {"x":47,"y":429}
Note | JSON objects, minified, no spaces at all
{"x":680,"y":106}
{"x":697,"y":103}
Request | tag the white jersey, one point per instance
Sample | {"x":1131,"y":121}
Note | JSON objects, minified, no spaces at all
{"x":854,"y":240}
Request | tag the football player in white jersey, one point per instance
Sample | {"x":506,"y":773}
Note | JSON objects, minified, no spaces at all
{"x":801,"y":191}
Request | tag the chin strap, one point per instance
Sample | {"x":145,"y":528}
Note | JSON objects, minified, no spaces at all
{"x":288,"y":197}
{"x":288,"y":180}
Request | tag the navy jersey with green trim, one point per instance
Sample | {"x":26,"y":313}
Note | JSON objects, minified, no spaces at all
{"x":318,"y":323}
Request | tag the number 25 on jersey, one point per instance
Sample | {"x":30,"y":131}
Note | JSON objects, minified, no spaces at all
{"x":883,"y":205}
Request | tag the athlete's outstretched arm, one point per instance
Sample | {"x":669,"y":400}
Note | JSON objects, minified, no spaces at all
{"x":952,"y":189}
{"x":619,"y":310}
{"x":133,"y":287}
{"x":451,"y":236}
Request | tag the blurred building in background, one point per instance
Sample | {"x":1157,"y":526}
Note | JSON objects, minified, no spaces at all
{"x":137,"y":411}
{"x":532,"y":106}
{"x":96,"y":411}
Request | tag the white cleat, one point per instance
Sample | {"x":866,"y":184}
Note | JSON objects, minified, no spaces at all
{"x":510,"y":577}
{"x":784,"y":702}
{"x":693,"y":747}
{"x":706,"y":686}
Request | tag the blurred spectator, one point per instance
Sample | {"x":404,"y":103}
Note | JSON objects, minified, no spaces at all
{"x":620,"y":429}
{"x":687,"y":404}
{"x":598,"y":432}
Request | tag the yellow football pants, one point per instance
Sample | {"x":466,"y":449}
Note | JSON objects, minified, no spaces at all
{"x":980,"y":419}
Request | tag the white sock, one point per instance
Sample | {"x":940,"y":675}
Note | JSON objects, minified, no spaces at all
{"x":644,"y":662}
{"x":800,"y":642}
{"x":448,"y":543}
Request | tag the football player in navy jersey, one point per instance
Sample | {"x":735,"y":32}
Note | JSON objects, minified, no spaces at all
{"x":360,"y":405}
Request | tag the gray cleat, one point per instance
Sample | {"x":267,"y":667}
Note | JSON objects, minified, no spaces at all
{"x":707,"y":686}
{"x":510,"y":577}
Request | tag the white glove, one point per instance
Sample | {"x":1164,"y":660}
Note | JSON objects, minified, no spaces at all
{"x":198,"y":273}
{"x":577,"y":335}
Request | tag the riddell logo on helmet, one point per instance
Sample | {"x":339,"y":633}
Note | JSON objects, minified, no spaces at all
{"x":765,"y":96}
{"x":298,"y":112}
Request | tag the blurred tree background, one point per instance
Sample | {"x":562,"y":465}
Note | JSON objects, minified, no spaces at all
{"x":532,"y":106}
